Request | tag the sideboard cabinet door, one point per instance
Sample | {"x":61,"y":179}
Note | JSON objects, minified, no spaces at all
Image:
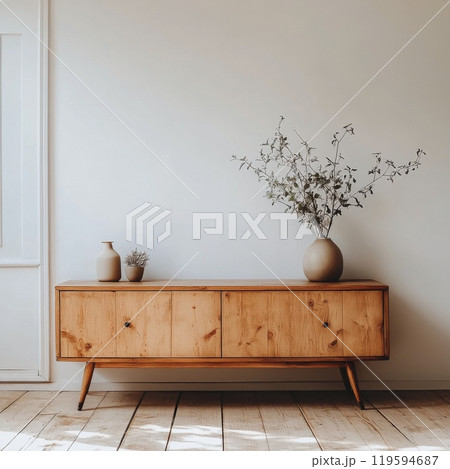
{"x":282,"y":324}
{"x":364,"y":325}
{"x":87,"y":324}
{"x":196,"y":324}
{"x":144,"y":324}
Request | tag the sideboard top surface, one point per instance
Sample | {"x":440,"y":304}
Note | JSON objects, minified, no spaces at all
{"x":223,"y":285}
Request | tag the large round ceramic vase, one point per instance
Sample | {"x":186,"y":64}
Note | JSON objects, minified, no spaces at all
{"x":323,"y":261}
{"x":108,"y":264}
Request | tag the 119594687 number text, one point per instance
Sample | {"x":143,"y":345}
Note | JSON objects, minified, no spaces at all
{"x":382,"y":460}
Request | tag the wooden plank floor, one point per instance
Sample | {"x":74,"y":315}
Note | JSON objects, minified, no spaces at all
{"x":224,"y":421}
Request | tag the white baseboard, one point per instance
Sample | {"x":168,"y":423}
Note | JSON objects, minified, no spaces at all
{"x":22,"y":375}
{"x":412,"y":385}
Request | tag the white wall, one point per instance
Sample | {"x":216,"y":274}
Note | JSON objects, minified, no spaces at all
{"x":199,"y":81}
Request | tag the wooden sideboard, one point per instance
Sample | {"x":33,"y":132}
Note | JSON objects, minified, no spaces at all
{"x":222,"y":323}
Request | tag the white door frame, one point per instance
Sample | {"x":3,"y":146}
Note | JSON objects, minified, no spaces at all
{"x":42,"y":262}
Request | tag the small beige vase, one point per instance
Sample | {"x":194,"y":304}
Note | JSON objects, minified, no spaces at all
{"x":108,"y":264}
{"x":134,"y":274}
{"x":323,"y":261}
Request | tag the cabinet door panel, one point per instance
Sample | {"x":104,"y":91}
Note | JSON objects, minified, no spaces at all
{"x":148,"y":315}
{"x":244,"y":324}
{"x":296,"y":324}
{"x":87,"y":324}
{"x":282,"y":324}
{"x":363,"y":323}
{"x":196,"y":324}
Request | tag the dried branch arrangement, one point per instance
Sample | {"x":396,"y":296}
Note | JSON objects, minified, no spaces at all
{"x":318,"y":189}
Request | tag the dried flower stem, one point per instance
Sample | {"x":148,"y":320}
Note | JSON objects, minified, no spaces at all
{"x":136,"y":258}
{"x":317,"y":191}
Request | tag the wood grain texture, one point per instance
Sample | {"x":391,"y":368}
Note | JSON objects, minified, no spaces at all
{"x":58,"y":434}
{"x":422,"y":416}
{"x":248,"y":362}
{"x":198,"y":423}
{"x":243,"y":428}
{"x":363,"y":323}
{"x":196,"y":324}
{"x":328,"y":420}
{"x":20,"y":413}
{"x":87,"y":324}
{"x":352,"y":381}
{"x":8,"y":397}
{"x":244,"y":324}
{"x":58,"y":323}
{"x":444,"y":394}
{"x":296,"y":324}
{"x":86,"y":382}
{"x":151,"y":425}
{"x":149,"y":315}
{"x":60,"y":422}
{"x":282,"y":324}
{"x":285,"y":426}
{"x":339,"y":424}
{"x":223,"y":285}
{"x":386,"y":324}
{"x":28,"y":435}
{"x":105,"y":429}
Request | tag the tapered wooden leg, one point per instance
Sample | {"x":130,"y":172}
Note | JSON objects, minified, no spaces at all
{"x":345,"y":379}
{"x":353,"y":380}
{"x":87,"y":377}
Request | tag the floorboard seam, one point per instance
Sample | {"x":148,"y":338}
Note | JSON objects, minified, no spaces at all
{"x":87,"y":421}
{"x":35,"y":438}
{"x":15,"y":400}
{"x":306,"y":420}
{"x":392,"y":423}
{"x":131,"y":419}
{"x":256,"y":394}
{"x":28,"y":422}
{"x":221,"y":419}
{"x":175,"y":410}
{"x":436,"y":393}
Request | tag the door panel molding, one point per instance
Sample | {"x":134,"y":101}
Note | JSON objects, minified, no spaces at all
{"x":32,"y":251}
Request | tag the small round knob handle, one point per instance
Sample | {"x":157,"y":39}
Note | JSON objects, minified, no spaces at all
{"x":127,"y":324}
{"x":325,"y":324}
